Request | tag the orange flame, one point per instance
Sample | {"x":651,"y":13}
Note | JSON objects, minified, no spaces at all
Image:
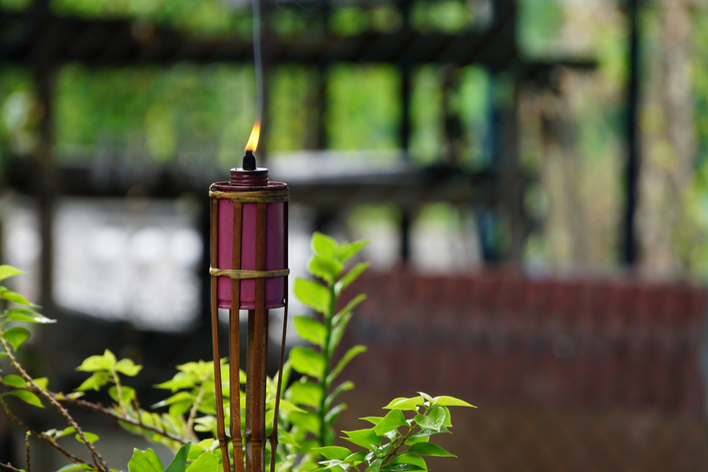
{"x":253,"y":139}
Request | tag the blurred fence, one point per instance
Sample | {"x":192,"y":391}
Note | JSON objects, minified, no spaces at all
{"x":576,"y":374}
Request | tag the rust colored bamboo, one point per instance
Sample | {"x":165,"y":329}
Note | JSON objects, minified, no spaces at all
{"x":234,"y":345}
{"x":256,"y":357}
{"x":274,"y":431}
{"x":214,"y":219}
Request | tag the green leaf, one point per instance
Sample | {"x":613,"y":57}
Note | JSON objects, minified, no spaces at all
{"x":96,"y":363}
{"x":16,"y":336}
{"x":312,"y":294}
{"x":309,"y":421}
{"x":27,"y":397}
{"x":41,"y":382}
{"x":15,"y":298}
{"x":127,"y":393}
{"x":393,"y":420}
{"x":445,"y":400}
{"x":410,"y":459}
{"x":95,"y":382}
{"x":7,"y":271}
{"x":127,"y":367}
{"x":346,"y":358}
{"x":323,"y":245}
{"x":351,"y":276}
{"x":343,"y":387}
{"x":205,"y":463}
{"x":65,"y":432}
{"x":307,"y":361}
{"x":429,"y":449}
{"x":348,"y":308}
{"x":90,"y":437}
{"x":305,"y":393}
{"x":26,"y":315}
{"x":325,"y":268}
{"x":433,"y":420}
{"x":333,"y":452}
{"x":402,"y":467}
{"x":284,"y":406}
{"x":145,"y":461}
{"x":403,"y":403}
{"x":363,"y":437}
{"x":347,"y":250}
{"x":448,"y":418}
{"x":310,"y":330}
{"x":332,"y":414}
{"x":14,"y":380}
{"x":372,"y":419}
{"x":179,"y":463}
{"x":73,"y":467}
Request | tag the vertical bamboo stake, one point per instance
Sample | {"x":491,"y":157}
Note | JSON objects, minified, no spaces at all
{"x":214,"y":220}
{"x":234,"y":346}
{"x":257,"y":352}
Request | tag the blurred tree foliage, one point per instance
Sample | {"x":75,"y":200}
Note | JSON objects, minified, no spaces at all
{"x":201,"y":115}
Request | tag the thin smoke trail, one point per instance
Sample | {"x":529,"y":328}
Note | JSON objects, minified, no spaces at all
{"x":258,"y":58}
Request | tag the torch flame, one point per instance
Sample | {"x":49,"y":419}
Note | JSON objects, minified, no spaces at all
{"x":253,"y":139}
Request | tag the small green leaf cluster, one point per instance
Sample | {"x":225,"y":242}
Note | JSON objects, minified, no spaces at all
{"x":14,"y":336}
{"x":316,"y":391}
{"x":189,"y":458}
{"x":396,"y":443}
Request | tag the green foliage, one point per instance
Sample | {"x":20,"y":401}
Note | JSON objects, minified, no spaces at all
{"x":395,"y":442}
{"x":308,"y":408}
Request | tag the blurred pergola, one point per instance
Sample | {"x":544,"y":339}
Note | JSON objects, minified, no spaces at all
{"x":42,"y":41}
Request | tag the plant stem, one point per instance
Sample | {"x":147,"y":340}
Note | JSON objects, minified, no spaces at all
{"x":193,"y":414}
{"x":8,"y":468}
{"x":104,"y":411}
{"x":326,"y":354}
{"x":119,"y":389}
{"x":44,"y":437}
{"x":97,"y":458}
{"x":27,"y":451}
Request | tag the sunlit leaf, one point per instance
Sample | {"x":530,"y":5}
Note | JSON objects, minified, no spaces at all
{"x":16,"y":336}
{"x":7,"y":271}
{"x":179,"y":463}
{"x":323,"y":245}
{"x":310,"y":330}
{"x":410,"y":459}
{"x":95,"y":382}
{"x":95,"y":363}
{"x":15,"y":298}
{"x":351,"y":276}
{"x":145,"y":461}
{"x":429,"y":449}
{"x":333,"y":452}
{"x":363,"y":437}
{"x":27,"y":397}
{"x":400,"y":467}
{"x":127,"y":367}
{"x":393,"y":420}
{"x":73,"y":467}
{"x":433,"y":420}
{"x":403,"y":403}
{"x":205,"y":463}
{"x":445,"y":400}
{"x":90,"y":437}
{"x":347,"y":250}
{"x":312,"y":294}
{"x":372,"y":419}
{"x":305,"y":393}
{"x":307,"y":361}
{"x":127,"y":394}
{"x":26,"y":315}
{"x":14,"y":380}
{"x":325,"y":268}
{"x":41,"y":382}
{"x":343,"y":387}
{"x":346,"y":358}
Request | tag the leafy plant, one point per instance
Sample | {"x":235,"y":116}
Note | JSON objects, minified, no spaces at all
{"x":308,"y":407}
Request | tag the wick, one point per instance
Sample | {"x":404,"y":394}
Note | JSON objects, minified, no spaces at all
{"x":249,"y":161}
